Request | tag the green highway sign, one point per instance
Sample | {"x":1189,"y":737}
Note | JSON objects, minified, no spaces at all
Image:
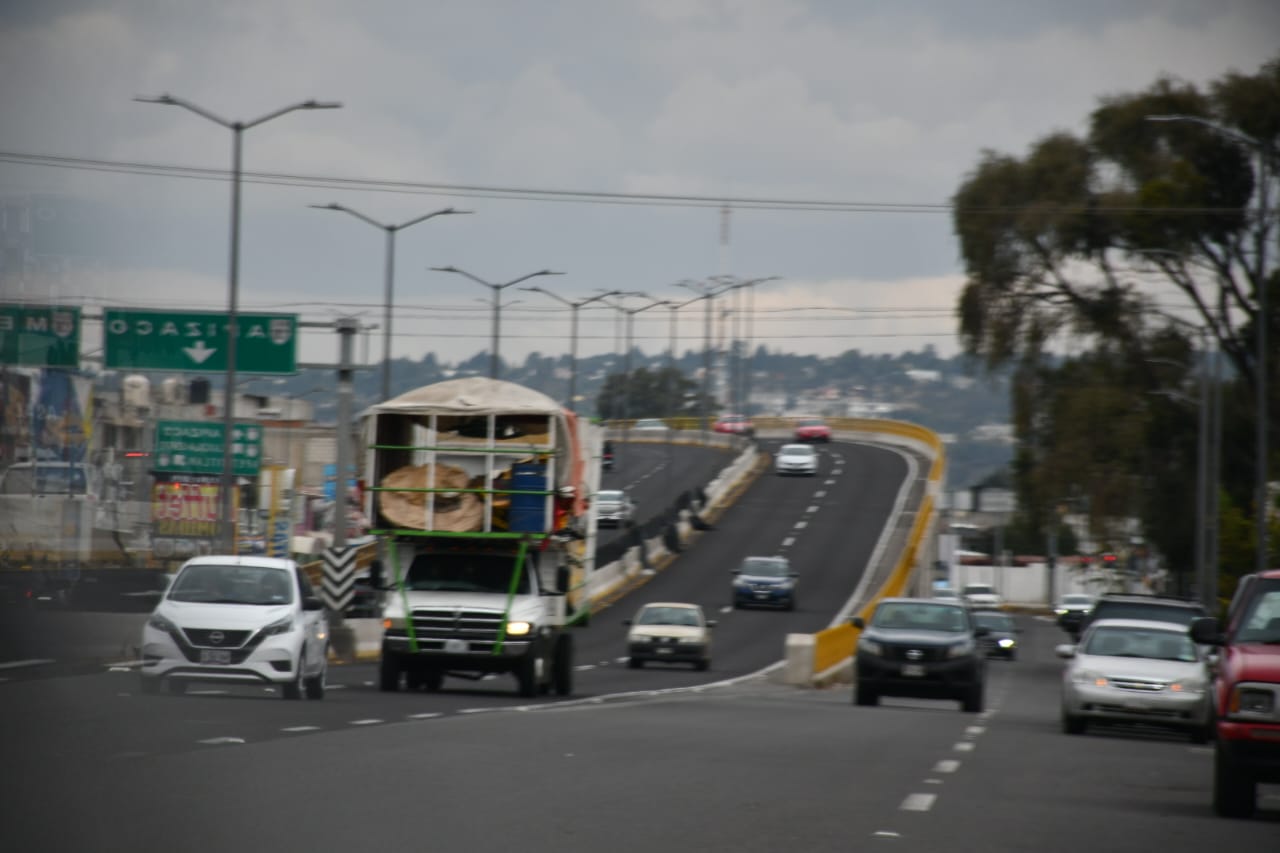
{"x":196,"y":341}
{"x":196,"y":447}
{"x":39,"y":335}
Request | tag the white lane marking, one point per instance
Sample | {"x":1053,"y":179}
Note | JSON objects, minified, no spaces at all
{"x":117,"y":669}
{"x":884,"y":833}
{"x":728,"y":608}
{"x":946,"y":765}
{"x":963,"y":747}
{"x":209,"y":692}
{"x":788,"y":542}
{"x":829,"y":483}
{"x":837,"y":472}
{"x":820,"y":494}
{"x":801,"y":525}
{"x":215,"y":741}
{"x":933,"y":781}
{"x":17,"y":664}
{"x":974,"y":731}
{"x":301,"y":729}
{"x":584,"y":667}
{"x":372,"y":721}
{"x":918,"y":802}
{"x":426,"y":715}
{"x":328,"y":686}
{"x":812,"y":509}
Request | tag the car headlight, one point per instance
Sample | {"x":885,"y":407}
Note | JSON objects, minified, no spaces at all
{"x":1084,"y":676}
{"x":960,"y":649}
{"x":1061,"y":611}
{"x":282,"y":625}
{"x":640,"y":638}
{"x":1252,"y":702}
{"x":1193,"y":686}
{"x":518,"y":629}
{"x":1006,"y":642}
{"x":689,"y":640}
{"x":161,"y":624}
{"x":871,"y":647}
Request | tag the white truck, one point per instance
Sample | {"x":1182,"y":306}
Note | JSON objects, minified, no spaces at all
{"x":477,"y":491}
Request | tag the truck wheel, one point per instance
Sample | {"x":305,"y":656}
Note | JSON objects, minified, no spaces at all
{"x":388,"y":673}
{"x":527,"y":675}
{"x":432,"y":679}
{"x":634,"y":663}
{"x":864,"y":695}
{"x":562,"y":666}
{"x":1235,"y":793}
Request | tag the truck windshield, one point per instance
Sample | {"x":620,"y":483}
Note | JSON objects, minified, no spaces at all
{"x":461,"y":572}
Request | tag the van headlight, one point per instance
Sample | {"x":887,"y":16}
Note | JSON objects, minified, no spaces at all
{"x":281,"y":626}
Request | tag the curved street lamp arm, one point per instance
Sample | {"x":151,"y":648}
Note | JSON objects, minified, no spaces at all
{"x":172,"y":101}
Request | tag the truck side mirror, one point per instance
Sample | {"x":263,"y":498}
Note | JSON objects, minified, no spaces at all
{"x":857,"y":622}
{"x":562,"y":580}
{"x":1206,"y":631}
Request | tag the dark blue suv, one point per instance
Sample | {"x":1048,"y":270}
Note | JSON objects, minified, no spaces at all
{"x":765,"y":582}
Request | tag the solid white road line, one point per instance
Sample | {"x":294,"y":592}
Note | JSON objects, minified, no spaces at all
{"x":17,"y":664}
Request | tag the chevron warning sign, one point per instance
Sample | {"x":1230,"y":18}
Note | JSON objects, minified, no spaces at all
{"x":337,"y":585}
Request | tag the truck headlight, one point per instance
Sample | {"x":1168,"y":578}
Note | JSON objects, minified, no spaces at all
{"x":871,"y":647}
{"x":393,"y":623}
{"x":518,"y":629}
{"x":1006,"y":642}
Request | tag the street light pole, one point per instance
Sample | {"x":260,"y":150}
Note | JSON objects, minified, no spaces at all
{"x":496,"y":289}
{"x":1261,"y":551}
{"x":389,"y":268}
{"x":573,"y":334}
{"x":226,"y":483}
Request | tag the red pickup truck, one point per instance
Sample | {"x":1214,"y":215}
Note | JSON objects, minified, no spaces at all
{"x":1246,"y":689}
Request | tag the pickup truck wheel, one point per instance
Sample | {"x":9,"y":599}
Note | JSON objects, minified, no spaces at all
{"x":864,"y":695}
{"x":634,"y":663}
{"x":972,"y":701}
{"x":562,"y":666}
{"x":388,"y":673}
{"x":432,"y":679}
{"x":1235,"y":793}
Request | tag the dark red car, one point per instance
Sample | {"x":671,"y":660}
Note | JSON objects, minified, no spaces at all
{"x":812,"y":429}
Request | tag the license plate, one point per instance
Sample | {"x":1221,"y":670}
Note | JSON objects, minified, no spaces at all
{"x":912,"y":670}
{"x":762,"y":595}
{"x":664,"y":651}
{"x":455,"y":646}
{"x":219,"y":656}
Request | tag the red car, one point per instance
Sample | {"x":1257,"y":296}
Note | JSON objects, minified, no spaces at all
{"x":734,"y":425}
{"x":812,"y":429}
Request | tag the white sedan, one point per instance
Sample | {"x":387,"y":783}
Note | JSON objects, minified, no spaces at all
{"x":796,"y":459}
{"x":229,"y":620}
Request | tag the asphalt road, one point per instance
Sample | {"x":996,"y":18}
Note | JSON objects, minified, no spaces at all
{"x":661,"y":758}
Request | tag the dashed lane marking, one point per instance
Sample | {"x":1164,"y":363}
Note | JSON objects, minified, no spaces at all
{"x":218,"y":741}
{"x":820,"y":494}
{"x":918,"y":802}
{"x":801,"y":525}
{"x":300,"y":729}
{"x":829,"y":483}
{"x":946,"y":765}
{"x":425,"y":715}
{"x":885,"y":833}
{"x":933,"y":781}
{"x":812,"y":509}
{"x":372,"y":721}
{"x":788,"y":542}
{"x":963,"y":747}
{"x":974,"y":731}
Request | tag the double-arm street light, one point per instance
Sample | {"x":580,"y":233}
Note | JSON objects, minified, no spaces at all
{"x":497,"y":306}
{"x":1259,"y":275}
{"x":237,"y":128}
{"x":574,"y":307}
{"x":390,"y":267}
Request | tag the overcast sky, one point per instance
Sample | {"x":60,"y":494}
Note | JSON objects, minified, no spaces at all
{"x":856,"y":102}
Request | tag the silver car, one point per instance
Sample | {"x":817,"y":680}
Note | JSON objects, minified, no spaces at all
{"x":614,"y":508}
{"x":796,"y":459}
{"x":1136,"y":671}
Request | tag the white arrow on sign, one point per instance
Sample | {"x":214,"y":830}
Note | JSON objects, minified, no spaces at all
{"x":199,"y":353}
